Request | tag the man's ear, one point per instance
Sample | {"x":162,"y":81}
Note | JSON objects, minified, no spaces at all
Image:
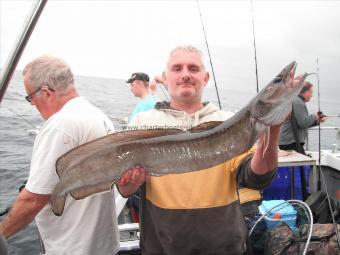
{"x":206,"y":78}
{"x":47,"y":92}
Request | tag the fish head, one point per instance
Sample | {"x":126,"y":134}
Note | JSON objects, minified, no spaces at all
{"x":273,"y":103}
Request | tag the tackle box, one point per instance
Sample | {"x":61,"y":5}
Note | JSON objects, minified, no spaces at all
{"x":285,"y":182}
{"x":283,"y":212}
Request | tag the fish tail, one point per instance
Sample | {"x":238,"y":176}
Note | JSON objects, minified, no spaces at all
{"x":58,"y":204}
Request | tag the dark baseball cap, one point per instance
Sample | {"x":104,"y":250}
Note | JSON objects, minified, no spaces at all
{"x":139,"y":77}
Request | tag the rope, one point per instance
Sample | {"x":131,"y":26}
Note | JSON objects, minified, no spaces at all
{"x":282,"y":205}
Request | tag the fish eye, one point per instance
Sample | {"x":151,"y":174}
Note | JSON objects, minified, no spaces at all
{"x":264,"y":104}
{"x":277,"y":79}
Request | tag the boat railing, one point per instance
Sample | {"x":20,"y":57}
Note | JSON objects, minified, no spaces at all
{"x":336,"y":130}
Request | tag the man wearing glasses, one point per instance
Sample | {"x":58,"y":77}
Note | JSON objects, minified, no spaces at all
{"x":87,"y":226}
{"x":30,"y":96}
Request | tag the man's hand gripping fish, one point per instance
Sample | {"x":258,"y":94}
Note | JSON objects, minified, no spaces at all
{"x":95,"y":166}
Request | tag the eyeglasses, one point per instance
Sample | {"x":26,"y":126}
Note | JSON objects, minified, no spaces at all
{"x":30,"y":96}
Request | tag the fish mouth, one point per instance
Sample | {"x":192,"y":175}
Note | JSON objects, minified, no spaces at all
{"x":289,"y":70}
{"x":286,"y":74}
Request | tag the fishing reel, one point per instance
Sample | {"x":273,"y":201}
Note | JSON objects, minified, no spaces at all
{"x":320,"y":114}
{"x":6,"y":210}
{"x":23,"y":185}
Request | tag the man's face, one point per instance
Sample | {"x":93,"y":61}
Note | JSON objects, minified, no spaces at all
{"x":308,"y":94}
{"x":136,"y":88}
{"x":185,"y":77}
{"x":37,"y":99}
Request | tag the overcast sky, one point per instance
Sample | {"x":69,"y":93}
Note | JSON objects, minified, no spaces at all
{"x":115,"y":38}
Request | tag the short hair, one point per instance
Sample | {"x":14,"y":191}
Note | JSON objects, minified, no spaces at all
{"x":306,"y":86}
{"x":187,"y":48}
{"x":50,"y":71}
{"x":145,"y":83}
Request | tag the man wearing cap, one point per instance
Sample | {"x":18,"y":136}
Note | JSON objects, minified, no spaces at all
{"x":140,"y":88}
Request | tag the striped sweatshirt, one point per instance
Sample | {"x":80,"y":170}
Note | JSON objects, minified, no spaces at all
{"x":197,"y":212}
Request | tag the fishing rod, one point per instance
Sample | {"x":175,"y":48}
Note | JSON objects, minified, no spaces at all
{"x":254,"y":43}
{"x":4,"y":212}
{"x":319,"y":126}
{"x":164,"y":93}
{"x":25,"y":120}
{"x":15,"y":55}
{"x":212,"y":68}
{"x":163,"y":88}
{"x":8,"y":208}
{"x":319,"y":159}
{"x":333,"y":116}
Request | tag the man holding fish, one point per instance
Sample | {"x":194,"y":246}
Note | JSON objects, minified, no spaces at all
{"x":194,"y":207}
{"x":199,"y":212}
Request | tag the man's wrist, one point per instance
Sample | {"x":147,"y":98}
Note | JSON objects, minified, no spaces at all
{"x":121,"y":192}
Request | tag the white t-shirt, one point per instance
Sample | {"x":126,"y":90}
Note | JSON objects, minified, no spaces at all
{"x":87,"y":226}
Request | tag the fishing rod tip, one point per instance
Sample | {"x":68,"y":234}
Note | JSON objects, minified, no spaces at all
{"x":311,"y":74}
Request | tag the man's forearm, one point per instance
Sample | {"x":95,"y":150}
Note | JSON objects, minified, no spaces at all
{"x":23,"y":211}
{"x":266,"y":156}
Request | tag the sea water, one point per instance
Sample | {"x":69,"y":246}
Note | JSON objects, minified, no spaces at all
{"x":114,"y":98}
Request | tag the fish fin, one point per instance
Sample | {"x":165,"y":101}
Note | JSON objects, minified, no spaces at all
{"x":58,"y":204}
{"x":68,"y":159}
{"x":205,"y":126}
{"x":265,"y":140}
{"x":90,"y":190}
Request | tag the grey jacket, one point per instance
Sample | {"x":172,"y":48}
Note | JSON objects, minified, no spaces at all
{"x":304,"y":121}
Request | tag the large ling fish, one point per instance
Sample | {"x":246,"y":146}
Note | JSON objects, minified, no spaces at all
{"x":93,"y":167}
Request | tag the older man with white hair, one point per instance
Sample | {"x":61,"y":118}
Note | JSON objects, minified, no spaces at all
{"x":87,"y":226}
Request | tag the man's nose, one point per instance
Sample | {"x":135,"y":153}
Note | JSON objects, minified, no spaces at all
{"x":185,"y":74}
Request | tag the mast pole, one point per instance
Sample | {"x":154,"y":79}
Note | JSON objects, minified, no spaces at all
{"x":20,"y":44}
